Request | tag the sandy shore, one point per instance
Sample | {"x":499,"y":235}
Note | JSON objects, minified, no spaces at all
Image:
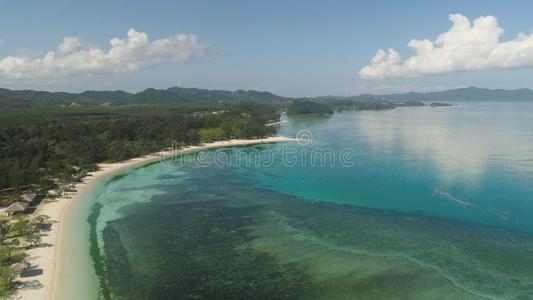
{"x":277,"y":123}
{"x":44,"y":260}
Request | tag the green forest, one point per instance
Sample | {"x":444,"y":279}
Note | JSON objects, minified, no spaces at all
{"x":50,"y":147}
{"x":40,"y":147}
{"x":302,"y":107}
{"x":50,"y":140}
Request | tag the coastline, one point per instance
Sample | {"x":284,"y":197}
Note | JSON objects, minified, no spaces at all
{"x":47,"y":258}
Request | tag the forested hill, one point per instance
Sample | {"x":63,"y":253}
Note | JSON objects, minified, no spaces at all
{"x":194,"y":96}
{"x":171,"y":96}
{"x":300,"y":107}
{"x":462,"y":94}
{"x":39,"y":147}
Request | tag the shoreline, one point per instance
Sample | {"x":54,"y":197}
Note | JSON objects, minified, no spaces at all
{"x":47,"y":258}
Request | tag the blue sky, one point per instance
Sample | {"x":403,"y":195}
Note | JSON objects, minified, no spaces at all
{"x":293,"y":48}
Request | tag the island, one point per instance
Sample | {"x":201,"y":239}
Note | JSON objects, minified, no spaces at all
{"x":303,"y":107}
{"x":440,"y":104}
{"x":55,"y":144}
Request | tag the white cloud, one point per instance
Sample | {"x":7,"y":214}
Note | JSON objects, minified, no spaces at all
{"x":73,"y":56}
{"x":466,"y":46}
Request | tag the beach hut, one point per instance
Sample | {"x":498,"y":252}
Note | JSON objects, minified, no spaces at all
{"x":40,"y":219}
{"x":28,"y":198}
{"x":20,"y":267}
{"x":16,"y":207}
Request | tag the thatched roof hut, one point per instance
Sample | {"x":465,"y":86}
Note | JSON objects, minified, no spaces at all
{"x":16,"y":208}
{"x":28,"y":197}
{"x":39,"y":219}
{"x":20,"y":267}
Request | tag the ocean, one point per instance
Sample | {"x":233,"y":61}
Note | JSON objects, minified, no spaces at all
{"x":411,"y":203}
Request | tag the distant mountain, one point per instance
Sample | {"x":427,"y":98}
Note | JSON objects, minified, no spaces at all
{"x":99,"y":95}
{"x":195,"y":96}
{"x":171,"y":96}
{"x":463,"y":94}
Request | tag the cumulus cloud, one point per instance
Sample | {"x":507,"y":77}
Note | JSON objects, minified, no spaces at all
{"x":467,"y":45}
{"x":73,"y":56}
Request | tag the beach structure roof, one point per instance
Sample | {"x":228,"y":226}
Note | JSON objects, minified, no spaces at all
{"x":39,"y":219}
{"x":20,"y":267}
{"x":17,"y":207}
{"x":28,"y":197}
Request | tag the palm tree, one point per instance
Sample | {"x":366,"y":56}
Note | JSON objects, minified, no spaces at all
{"x":4,"y":229}
{"x":9,"y":276}
{"x":11,"y":246}
{"x":33,"y":236}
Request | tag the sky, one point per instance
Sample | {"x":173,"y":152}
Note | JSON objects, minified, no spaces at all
{"x":291,"y":48}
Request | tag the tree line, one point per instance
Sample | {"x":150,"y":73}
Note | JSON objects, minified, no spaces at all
{"x":36,"y":152}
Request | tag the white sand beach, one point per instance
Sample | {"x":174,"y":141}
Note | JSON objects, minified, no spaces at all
{"x":45,"y":260}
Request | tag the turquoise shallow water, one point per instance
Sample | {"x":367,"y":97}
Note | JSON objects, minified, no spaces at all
{"x":434,"y":203}
{"x":470,"y":162}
